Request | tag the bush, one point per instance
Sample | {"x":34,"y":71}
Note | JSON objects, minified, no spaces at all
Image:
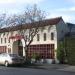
{"x":35,"y":56}
{"x":60,"y":52}
{"x":70,"y":47}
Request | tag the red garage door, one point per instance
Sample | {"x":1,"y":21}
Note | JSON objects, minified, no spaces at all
{"x":45,"y":51}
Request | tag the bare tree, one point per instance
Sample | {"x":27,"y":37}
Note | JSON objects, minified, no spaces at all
{"x":34,"y":14}
{"x":2,"y":20}
{"x":31,"y":15}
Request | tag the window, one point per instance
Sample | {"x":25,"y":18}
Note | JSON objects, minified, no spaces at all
{"x":12,"y":33}
{"x":1,"y":40}
{"x":52,"y":36}
{"x":38,"y":37}
{"x":27,"y":38}
{"x":3,"y":34}
{"x":7,"y":34}
{"x":5,"y":40}
{"x":8,"y":40}
{"x":44,"y":36}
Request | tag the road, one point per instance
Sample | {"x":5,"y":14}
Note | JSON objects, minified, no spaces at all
{"x":31,"y":71}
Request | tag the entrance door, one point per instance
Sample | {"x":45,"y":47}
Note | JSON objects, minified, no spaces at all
{"x":18,"y":48}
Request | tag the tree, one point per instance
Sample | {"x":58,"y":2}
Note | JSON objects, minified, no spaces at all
{"x":2,"y":20}
{"x":31,"y":15}
{"x":60,"y":52}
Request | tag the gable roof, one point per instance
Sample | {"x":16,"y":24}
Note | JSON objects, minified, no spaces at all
{"x":52,"y":21}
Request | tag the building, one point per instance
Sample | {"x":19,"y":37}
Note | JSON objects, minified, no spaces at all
{"x":71,"y":28}
{"x":45,"y":41}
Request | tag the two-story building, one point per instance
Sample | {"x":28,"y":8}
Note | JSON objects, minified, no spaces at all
{"x":45,"y":41}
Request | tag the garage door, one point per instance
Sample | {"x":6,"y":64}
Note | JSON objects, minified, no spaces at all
{"x":45,"y":51}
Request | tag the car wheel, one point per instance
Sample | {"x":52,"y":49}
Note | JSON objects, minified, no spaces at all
{"x":6,"y":63}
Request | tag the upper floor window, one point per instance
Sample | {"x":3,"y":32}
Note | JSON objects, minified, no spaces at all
{"x":45,"y":38}
{"x":1,"y":40}
{"x":27,"y":38}
{"x":7,"y":34}
{"x":5,"y":40}
{"x":3,"y":34}
{"x":38,"y":37}
{"x":12,"y":33}
{"x":52,"y":36}
{"x":8,"y":40}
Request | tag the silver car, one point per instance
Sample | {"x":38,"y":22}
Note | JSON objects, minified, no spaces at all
{"x":8,"y":59}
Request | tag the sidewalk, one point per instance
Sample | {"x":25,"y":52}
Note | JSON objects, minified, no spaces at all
{"x":68,"y":68}
{"x":53,"y":66}
{"x":60,"y":67}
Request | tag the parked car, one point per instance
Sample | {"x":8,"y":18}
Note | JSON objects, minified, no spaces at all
{"x":9,"y":59}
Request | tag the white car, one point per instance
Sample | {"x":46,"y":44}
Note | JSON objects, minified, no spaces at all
{"x":8,"y":59}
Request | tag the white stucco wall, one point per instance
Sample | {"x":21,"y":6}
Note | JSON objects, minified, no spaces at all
{"x":47,"y":30}
{"x":48,"y":33}
{"x":7,"y":44}
{"x":59,"y":30}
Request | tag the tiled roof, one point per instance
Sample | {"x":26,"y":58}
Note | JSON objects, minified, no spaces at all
{"x":52,"y":21}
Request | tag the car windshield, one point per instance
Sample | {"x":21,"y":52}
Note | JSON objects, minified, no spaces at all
{"x":13,"y":55}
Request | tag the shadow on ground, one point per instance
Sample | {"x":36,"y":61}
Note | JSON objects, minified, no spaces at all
{"x":34,"y":66}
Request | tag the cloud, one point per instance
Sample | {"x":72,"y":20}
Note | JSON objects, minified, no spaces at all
{"x":6,"y":1}
{"x":20,"y":1}
{"x":29,"y":1}
{"x":16,"y":5}
{"x":67,"y":17}
{"x":66,"y":13}
{"x":73,"y":1}
{"x":70,"y":9}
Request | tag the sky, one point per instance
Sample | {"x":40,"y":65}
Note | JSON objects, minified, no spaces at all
{"x":54,"y":8}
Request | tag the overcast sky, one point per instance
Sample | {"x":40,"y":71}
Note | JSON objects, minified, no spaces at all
{"x":54,"y":8}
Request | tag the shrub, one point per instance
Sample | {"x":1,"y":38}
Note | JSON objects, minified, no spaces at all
{"x":60,"y":52}
{"x":36,"y":56}
{"x":70,"y":47}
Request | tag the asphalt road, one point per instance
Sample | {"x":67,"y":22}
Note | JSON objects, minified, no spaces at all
{"x":31,"y":71}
